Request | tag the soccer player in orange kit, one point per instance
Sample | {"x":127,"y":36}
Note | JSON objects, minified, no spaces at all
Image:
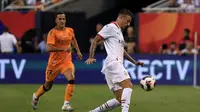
{"x":59,"y":42}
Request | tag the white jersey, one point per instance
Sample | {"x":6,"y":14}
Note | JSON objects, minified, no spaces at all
{"x":113,"y":68}
{"x":113,"y":42}
{"x":7,"y":41}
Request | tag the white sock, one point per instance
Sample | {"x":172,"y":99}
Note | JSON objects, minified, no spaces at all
{"x":109,"y":105}
{"x":35,"y":97}
{"x":66,"y":102}
{"x":125,"y":99}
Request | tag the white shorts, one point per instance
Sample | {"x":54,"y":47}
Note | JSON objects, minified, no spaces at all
{"x":115,"y":74}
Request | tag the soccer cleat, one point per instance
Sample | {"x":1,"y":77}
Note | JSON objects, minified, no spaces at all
{"x":67,"y":107}
{"x":34,"y":102}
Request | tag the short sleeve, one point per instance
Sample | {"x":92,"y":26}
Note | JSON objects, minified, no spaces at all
{"x":51,"y":37}
{"x":105,"y":32}
{"x":72,"y":32}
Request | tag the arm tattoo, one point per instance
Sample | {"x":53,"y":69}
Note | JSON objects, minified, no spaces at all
{"x":129,"y":58}
{"x":94,"y":45}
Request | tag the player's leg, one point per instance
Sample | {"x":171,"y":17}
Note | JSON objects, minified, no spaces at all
{"x":44,"y":88}
{"x":118,"y":81}
{"x":112,"y":103}
{"x":124,"y":95}
{"x":69,"y":74}
{"x":115,"y":102}
{"x":122,"y":85}
{"x":109,"y":105}
{"x":50,"y":76}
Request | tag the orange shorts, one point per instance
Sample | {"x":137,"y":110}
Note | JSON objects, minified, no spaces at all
{"x":53,"y":71}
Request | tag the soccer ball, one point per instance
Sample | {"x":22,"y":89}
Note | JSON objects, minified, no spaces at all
{"x":148,"y":83}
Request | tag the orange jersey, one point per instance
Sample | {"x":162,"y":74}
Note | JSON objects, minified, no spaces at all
{"x":60,"y":39}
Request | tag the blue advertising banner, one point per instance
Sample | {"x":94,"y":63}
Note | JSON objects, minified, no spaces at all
{"x":30,"y":69}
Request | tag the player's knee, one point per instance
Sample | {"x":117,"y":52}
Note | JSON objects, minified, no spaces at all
{"x":69,"y":74}
{"x":71,"y":82}
{"x":71,"y":77}
{"x":118,"y":98}
{"x":128,"y":85}
{"x":131,"y":86}
{"x":47,"y":87}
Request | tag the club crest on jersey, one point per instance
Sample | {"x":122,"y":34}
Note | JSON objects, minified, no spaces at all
{"x":63,"y":42}
{"x":122,"y":42}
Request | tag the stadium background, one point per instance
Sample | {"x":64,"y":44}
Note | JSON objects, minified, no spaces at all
{"x":20,"y":73}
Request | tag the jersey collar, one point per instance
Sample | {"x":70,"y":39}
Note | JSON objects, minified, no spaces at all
{"x":115,"y":24}
{"x":60,"y":30}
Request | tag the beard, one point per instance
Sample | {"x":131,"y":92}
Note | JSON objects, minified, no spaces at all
{"x":124,"y":28}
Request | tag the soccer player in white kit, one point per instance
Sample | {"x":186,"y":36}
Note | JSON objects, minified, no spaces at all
{"x":116,"y":75}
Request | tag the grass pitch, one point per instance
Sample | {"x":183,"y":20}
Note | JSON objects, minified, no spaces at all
{"x":17,"y":98}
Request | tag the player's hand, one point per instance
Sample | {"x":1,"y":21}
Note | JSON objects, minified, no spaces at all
{"x":90,"y":61}
{"x":79,"y":56}
{"x":139,"y":64}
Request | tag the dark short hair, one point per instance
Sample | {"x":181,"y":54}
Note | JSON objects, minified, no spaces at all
{"x":5,"y":29}
{"x":58,"y":13}
{"x":173,"y":43}
{"x":187,"y":30}
{"x":164,"y":46}
{"x":126,"y":12}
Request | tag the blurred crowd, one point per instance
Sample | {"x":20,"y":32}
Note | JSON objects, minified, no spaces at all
{"x":30,"y":43}
{"x":185,"y":5}
{"x":184,"y":47}
{"x":39,"y":5}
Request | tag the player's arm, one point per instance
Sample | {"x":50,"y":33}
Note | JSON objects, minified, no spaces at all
{"x":105,"y":33}
{"x":101,"y":36}
{"x":129,"y":58}
{"x":75,"y":44}
{"x":93,"y":46}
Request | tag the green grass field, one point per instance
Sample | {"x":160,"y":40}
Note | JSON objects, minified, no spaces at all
{"x":17,"y":98}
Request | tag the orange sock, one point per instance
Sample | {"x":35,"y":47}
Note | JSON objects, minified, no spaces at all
{"x":40,"y":92}
{"x":69,"y":92}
